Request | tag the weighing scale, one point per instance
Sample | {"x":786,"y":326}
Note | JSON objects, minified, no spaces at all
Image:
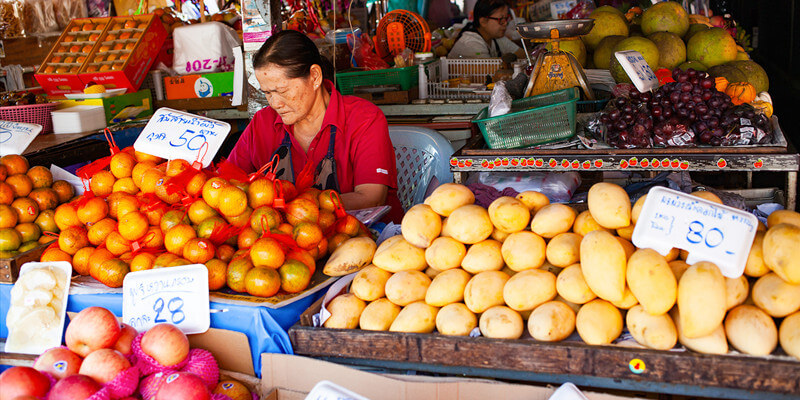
{"x":555,"y":69}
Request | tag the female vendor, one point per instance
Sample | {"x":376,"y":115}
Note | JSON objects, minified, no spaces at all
{"x":485,"y":36}
{"x":345,"y":139}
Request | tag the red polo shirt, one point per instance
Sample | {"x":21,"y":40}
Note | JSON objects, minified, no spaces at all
{"x":363,"y":149}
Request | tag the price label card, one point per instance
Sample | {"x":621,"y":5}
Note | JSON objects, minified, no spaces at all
{"x":637,"y":69}
{"x":172,"y":134}
{"x":176,"y":295}
{"x":16,"y":136}
{"x":708,"y":231}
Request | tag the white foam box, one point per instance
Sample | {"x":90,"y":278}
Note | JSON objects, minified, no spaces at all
{"x":79,"y":119}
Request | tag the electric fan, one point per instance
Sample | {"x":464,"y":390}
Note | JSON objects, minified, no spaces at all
{"x":401,"y":29}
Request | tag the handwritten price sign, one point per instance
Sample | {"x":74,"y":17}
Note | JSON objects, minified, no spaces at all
{"x":637,"y":69}
{"x":709,"y":231}
{"x":16,"y":136}
{"x":175,"y":134}
{"x":177,"y":296}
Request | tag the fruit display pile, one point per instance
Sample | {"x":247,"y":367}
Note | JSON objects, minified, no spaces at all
{"x":458,"y":266}
{"x":105,"y":360}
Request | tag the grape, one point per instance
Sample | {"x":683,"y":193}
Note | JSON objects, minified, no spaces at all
{"x":676,"y":73}
{"x":700,"y":126}
{"x":690,"y":105}
{"x":683,"y":113}
{"x":697,"y":99}
{"x":675,"y":97}
{"x":682,"y":78}
{"x":628,"y":118}
{"x":691,"y":72}
{"x":620,"y":125}
{"x":648,"y":123}
{"x":697,"y":90}
{"x":685,"y":97}
{"x":714,"y":103}
{"x":750,"y":114}
{"x":707,"y":83}
{"x":713,"y":122}
{"x":605,"y":119}
{"x":694,"y":81}
{"x":705,"y":137}
{"x":658,"y":95}
{"x":656,"y":111}
{"x":702,"y":109}
{"x":716,"y":141}
{"x":646,"y":96}
{"x":717,"y":132}
{"x":680,"y":106}
{"x":667,"y":112}
{"x":686,"y":87}
{"x":706,"y":96}
{"x":619,"y":102}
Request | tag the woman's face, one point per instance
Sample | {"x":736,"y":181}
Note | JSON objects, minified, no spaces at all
{"x":291,"y":98}
{"x":496,"y":24}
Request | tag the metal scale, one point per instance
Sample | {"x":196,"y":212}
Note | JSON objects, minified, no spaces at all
{"x":555,"y":69}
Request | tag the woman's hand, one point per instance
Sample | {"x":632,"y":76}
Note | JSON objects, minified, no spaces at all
{"x":365,"y":196}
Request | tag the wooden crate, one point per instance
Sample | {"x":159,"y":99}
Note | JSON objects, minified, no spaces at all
{"x":9,"y":267}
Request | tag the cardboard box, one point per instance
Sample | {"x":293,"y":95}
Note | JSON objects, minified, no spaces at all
{"x":195,"y":86}
{"x":113,"y":105}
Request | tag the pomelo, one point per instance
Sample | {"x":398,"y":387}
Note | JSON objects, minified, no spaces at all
{"x":576,"y":47}
{"x":695,"y":65}
{"x":602,"y":53}
{"x":694,"y":28}
{"x":671,"y":50}
{"x":754,"y":74}
{"x":644,"y":46}
{"x":605,"y":8}
{"x":605,"y":24}
{"x":711,"y":47}
{"x":729,"y":72}
{"x":666,"y":16}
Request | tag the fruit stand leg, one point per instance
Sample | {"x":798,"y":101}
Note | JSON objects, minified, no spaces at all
{"x":791,"y":190}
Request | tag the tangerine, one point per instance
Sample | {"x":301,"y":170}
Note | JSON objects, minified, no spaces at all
{"x":64,"y":190}
{"x":232,"y":201}
{"x":310,"y":194}
{"x":262,"y":282}
{"x":117,"y":244}
{"x":29,"y":231}
{"x":242,"y":219}
{"x":47,"y":239}
{"x":66,"y":216}
{"x":225,"y":252}
{"x":326,"y":219}
{"x":207,"y":227}
{"x":27,"y":246}
{"x":144,"y":157}
{"x":150,"y":179}
{"x":211,"y":190}
{"x":8,"y":216}
{"x":102,"y":183}
{"x":198,"y":250}
{"x":142,"y":262}
{"x":15,"y":164}
{"x":304,"y":257}
{"x":335,"y":240}
{"x":20,"y":184}
{"x":6,"y":193}
{"x":80,"y":261}
{"x":162,"y":193}
{"x":73,"y":239}
{"x":307,"y":235}
{"x":3,"y":172}
{"x":98,"y":256}
{"x":217,"y":270}
{"x":154,"y":238}
{"x":176,"y":166}
{"x":265,"y":215}
{"x":178,"y":262}
{"x":294,"y":276}
{"x":138,"y":171}
{"x":100,"y":230}
{"x":163,"y":260}
{"x":45,"y":198}
{"x":10,"y":239}
{"x":288,"y":188}
{"x":40,"y":176}
{"x":111,"y":272}
{"x":285,"y":229}
{"x":195,"y":186}
{"x":328,"y":200}
{"x":200,"y":211}
{"x":121,"y":203}
{"x":154,"y":216}
{"x":247,"y":238}
{"x":27,"y":210}
{"x":177,"y":237}
{"x":261,"y":193}
{"x":125,"y":185}
{"x":237,"y":272}
{"x":47,"y":221}
{"x":172,"y":218}
{"x":348,"y":225}
{"x":133,"y":225}
{"x":266,"y":252}
{"x":301,"y":210}
{"x":321,"y":250}
{"x":55,"y":254}
{"x":92,"y":210}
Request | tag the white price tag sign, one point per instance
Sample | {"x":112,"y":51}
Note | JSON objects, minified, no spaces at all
{"x":16,"y":136}
{"x":708,"y":231}
{"x":175,"y":295}
{"x":172,"y":134}
{"x":637,"y":69}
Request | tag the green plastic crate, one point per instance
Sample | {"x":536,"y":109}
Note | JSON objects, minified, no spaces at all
{"x":407,"y":78}
{"x":533,"y":120}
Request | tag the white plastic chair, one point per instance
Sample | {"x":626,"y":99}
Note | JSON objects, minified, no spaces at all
{"x":423,"y":162}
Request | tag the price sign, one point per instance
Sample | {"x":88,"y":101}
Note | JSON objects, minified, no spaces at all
{"x":637,"y":69}
{"x":707,"y":230}
{"x":16,"y":136}
{"x":176,"y":295}
{"x":172,"y":134}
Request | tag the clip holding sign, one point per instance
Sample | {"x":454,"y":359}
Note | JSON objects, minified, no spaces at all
{"x":638,"y":70}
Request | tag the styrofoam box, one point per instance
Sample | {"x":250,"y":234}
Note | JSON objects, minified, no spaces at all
{"x":79,"y":119}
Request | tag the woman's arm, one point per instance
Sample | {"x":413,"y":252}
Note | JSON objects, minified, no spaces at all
{"x":365,"y":196}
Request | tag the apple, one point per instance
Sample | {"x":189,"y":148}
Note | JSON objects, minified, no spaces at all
{"x":59,"y":362}
{"x":183,"y":385}
{"x":125,"y":339}
{"x":166,"y":344}
{"x":23,"y":381}
{"x":74,"y":387}
{"x":104,"y":365}
{"x":93,"y":328}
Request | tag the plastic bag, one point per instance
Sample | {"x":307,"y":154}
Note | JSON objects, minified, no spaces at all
{"x":38,"y":16}
{"x":557,"y":186}
{"x":98,"y":8}
{"x":204,"y":48}
{"x":404,"y":59}
{"x":581,"y":10}
{"x":500,"y":103}
{"x":11,"y":19}
{"x":674,"y":132}
{"x":745,"y":126}
{"x":67,"y":10}
{"x":364,"y":54}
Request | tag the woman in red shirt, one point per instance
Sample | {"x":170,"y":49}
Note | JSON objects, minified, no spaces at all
{"x":343,"y":139}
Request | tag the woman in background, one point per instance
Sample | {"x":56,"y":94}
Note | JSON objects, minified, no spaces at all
{"x":485,"y":35}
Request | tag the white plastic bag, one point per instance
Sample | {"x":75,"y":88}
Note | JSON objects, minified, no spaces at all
{"x":500,"y":103}
{"x":204,"y":48}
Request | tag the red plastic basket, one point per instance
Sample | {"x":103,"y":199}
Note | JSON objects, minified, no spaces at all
{"x":32,"y":114}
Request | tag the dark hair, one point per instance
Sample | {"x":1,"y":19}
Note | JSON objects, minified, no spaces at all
{"x":482,"y":9}
{"x":293,"y":51}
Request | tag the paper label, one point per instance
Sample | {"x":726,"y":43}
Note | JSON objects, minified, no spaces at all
{"x":16,"y":136}
{"x":637,"y":69}
{"x":175,"y":295}
{"x":707,"y":230}
{"x":173,"y":134}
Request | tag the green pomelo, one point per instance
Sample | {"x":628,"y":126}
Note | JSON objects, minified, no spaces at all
{"x":694,"y":28}
{"x":729,"y":72}
{"x":711,"y":47}
{"x":754,"y":74}
{"x":671,"y":50}
{"x":742,"y":56}
{"x":606,"y":8}
{"x":667,"y":16}
{"x":602,"y":54}
{"x":695,"y":65}
{"x":576,"y":47}
{"x":644,"y":46}
{"x":605,"y":24}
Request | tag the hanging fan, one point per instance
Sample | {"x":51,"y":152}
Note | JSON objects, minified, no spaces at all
{"x":401,"y":29}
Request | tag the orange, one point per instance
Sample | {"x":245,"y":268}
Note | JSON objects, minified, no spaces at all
{"x":241,"y":185}
{"x":321,"y":250}
{"x":20,"y":184}
{"x":127,"y":257}
{"x":154,"y":216}
{"x":55,"y":254}
{"x":289,"y":190}
{"x":304,"y":257}
{"x":153,"y":239}
{"x":102,"y":183}
{"x":66,"y":216}
{"x":98,"y":256}
{"x":117,"y":244}
{"x":246,"y":238}
{"x":27,"y":210}
{"x":232,"y":201}
{"x":142,"y":262}
{"x":242,"y":219}
{"x":178,"y":262}
{"x":200,"y":211}
{"x":262,"y":282}
{"x":6,"y":193}
{"x":217,"y":269}
{"x":125,"y":185}
{"x":211,"y":190}
{"x":265,"y":217}
{"x":144,"y":157}
{"x":195,"y":186}
{"x":301,"y":210}
{"x":295,"y":276}
{"x":335,"y":240}
{"x":10,"y":239}
{"x":207,"y":227}
{"x":3,"y":172}
{"x":40,"y":177}
{"x":133,"y":225}
{"x":285,"y":228}
{"x":237,"y":271}
{"x":161,"y":192}
{"x":225,"y":252}
{"x":47,"y":221}
{"x":72,"y":239}
{"x":8,"y":216}
{"x":175,"y":167}
{"x":348,"y":225}
{"x":163,"y":260}
{"x":261,"y":193}
{"x":111,"y":272}
{"x":121,"y":203}
{"x":307,"y":235}
{"x":266,"y":252}
{"x":326,"y":219}
{"x":28,"y":231}
{"x":45,"y":198}
{"x":311,"y":194}
{"x":100,"y":230}
{"x":150,"y":179}
{"x":80,"y":261}
{"x":177,"y":237}
{"x":15,"y":164}
{"x":328,"y":200}
{"x":172,"y":218}
{"x":138,"y":171}
{"x":92,"y":210}
{"x":198,"y":250}
{"x":64,"y":190}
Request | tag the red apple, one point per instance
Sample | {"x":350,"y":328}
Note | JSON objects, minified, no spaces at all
{"x":23,"y":381}
{"x":104,"y":365}
{"x":166,"y":344}
{"x":125,"y":339}
{"x":183,"y":385}
{"x":93,"y":328}
{"x":74,"y":387}
{"x":59,"y":362}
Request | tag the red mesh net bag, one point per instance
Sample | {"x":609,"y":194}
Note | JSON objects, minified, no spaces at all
{"x":123,"y":385}
{"x":148,"y":365}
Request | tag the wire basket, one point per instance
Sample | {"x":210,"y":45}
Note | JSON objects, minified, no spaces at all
{"x":405,"y":77}
{"x":434,"y":76}
{"x":533,"y":120}
{"x":32,"y":114}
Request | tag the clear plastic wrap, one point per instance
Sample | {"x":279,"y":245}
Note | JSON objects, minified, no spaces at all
{"x":97,"y":8}
{"x":745,"y":126}
{"x":38,"y":16}
{"x":11,"y":19}
{"x":67,"y":10}
{"x":557,"y":186}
